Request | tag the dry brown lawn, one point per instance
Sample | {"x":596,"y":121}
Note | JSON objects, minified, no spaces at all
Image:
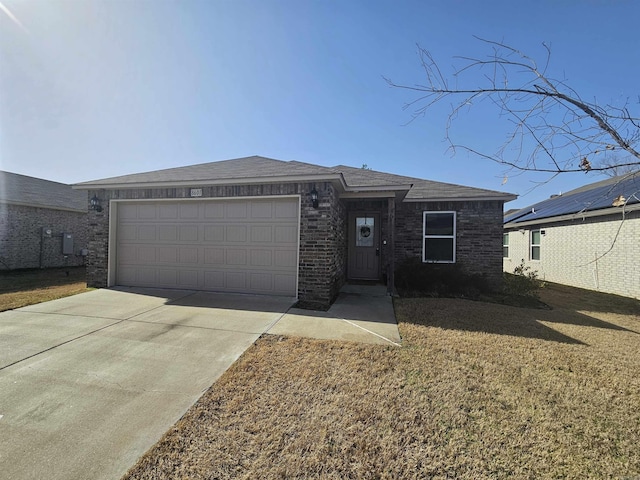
{"x":476,"y":391}
{"x":20,"y":288}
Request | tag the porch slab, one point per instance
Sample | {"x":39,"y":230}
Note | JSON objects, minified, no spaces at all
{"x":362,"y":313}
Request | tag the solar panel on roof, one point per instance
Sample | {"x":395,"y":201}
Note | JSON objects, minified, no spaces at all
{"x":602,"y":195}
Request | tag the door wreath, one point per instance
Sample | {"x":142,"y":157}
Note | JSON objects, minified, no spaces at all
{"x":365,"y":231}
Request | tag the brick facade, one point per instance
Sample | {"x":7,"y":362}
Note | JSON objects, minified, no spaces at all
{"x":322,"y":238}
{"x":23,"y":245}
{"x":597,"y":253}
{"x":478,"y":234}
{"x":322,"y":268}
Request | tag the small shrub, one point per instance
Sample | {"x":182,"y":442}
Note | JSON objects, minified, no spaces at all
{"x":522,"y":282}
{"x":414,"y":278}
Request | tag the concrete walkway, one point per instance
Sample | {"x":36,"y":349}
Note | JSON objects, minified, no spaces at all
{"x":361,"y":313}
{"x":88,"y":383}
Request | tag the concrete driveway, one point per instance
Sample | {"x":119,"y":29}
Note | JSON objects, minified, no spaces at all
{"x":88,"y":383}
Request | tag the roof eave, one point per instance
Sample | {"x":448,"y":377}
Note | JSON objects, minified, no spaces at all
{"x":336,"y":178}
{"x":378,"y":188}
{"x":39,"y":205}
{"x":488,"y":198}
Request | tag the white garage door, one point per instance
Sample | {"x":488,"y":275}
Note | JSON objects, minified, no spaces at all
{"x":247,"y":246}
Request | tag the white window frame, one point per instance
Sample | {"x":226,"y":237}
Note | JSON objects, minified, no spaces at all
{"x":535,"y":245}
{"x":505,"y":245}
{"x":425,"y":236}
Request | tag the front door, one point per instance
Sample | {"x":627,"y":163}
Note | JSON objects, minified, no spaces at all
{"x":364,"y":246}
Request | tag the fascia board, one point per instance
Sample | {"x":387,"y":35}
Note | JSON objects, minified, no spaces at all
{"x":363,"y":194}
{"x":378,"y":188}
{"x":48,"y":207}
{"x":337,"y":178}
{"x":502,"y":198}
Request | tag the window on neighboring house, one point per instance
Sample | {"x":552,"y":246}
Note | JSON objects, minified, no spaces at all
{"x":505,"y":245}
{"x":439,"y":232}
{"x":535,"y":245}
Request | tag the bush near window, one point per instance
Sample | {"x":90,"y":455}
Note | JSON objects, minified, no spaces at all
{"x":522,"y":282}
{"x":413,"y":278}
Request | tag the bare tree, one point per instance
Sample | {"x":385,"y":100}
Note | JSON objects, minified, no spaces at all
{"x":617,"y":167}
{"x":552,"y":128}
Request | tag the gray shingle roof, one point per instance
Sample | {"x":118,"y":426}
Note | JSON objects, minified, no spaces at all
{"x":430,"y":190}
{"x":36,"y":192}
{"x":265,"y":169}
{"x":238,"y":168}
{"x":589,"y":198}
{"x":361,"y":177}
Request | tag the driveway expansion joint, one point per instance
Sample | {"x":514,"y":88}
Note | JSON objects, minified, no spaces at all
{"x":59,"y":345}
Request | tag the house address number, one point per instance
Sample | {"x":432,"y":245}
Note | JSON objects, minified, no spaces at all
{"x":196,"y":192}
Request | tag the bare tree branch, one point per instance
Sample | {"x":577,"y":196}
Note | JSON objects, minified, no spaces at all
{"x":553,"y":129}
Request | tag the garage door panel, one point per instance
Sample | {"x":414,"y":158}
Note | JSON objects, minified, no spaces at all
{"x":188,"y":278}
{"x":167,"y":277}
{"x":286,"y":210}
{"x":146,"y":276}
{"x":128,"y":232}
{"x":261,"y":282}
{"x":285,"y":258}
{"x":146,"y":255}
{"x":214,"y":210}
{"x":147,"y":233}
{"x":236,"y":210}
{"x":261,"y":233}
{"x":127,"y":212}
{"x":188,"y":233}
{"x":128,"y":254}
{"x":127,"y":275}
{"x":236,"y":234}
{"x":214,"y":233}
{"x":235,"y":280}
{"x":189,"y":211}
{"x":188,"y":255}
{"x":168,"y":211}
{"x":261,"y":258}
{"x":261,"y":210}
{"x":283,"y":283}
{"x":147,"y":212}
{"x":214,"y":280}
{"x":286,"y":234}
{"x":236,"y":257}
{"x":214,"y":256}
{"x":228,"y":245}
{"x":167,"y":233}
{"x":167,"y":254}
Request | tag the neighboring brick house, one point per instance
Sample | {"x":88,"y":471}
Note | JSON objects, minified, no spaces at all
{"x":258,"y":225}
{"x":587,"y":238}
{"x":37,"y":218}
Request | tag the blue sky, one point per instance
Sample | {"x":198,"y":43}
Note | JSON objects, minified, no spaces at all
{"x":93,"y":89}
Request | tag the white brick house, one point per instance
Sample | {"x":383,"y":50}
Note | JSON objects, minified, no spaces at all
{"x":581,"y":238}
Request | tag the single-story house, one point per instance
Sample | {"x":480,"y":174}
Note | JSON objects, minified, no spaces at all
{"x":258,"y":225}
{"x":587,"y":238}
{"x":42,"y":223}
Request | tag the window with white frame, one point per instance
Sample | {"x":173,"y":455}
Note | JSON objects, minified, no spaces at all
{"x":505,"y":245}
{"x":439,"y":237}
{"x":534,"y":251}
